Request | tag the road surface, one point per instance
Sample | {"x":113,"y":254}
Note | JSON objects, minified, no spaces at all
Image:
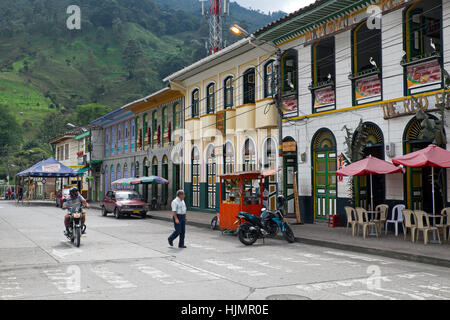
{"x":131,"y":259}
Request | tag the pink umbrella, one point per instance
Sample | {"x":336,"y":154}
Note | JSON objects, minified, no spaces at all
{"x":369,"y":165}
{"x":432,"y":156}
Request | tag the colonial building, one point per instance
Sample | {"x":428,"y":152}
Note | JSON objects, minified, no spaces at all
{"x":354,"y":74}
{"x":230,"y":119}
{"x":143,"y":138}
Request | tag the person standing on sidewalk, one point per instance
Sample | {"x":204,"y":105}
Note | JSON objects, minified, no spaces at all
{"x":179,"y":219}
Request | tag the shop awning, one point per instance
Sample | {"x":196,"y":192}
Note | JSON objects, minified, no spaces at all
{"x":48,"y":168}
{"x":82,"y":171}
{"x":250,"y":174}
{"x":369,"y":165}
{"x":85,"y":134}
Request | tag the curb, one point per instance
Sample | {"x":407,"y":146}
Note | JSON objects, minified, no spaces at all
{"x":346,"y":247}
{"x":340,"y":246}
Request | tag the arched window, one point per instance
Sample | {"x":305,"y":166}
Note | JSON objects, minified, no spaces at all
{"x":106,"y":179}
{"x":136,"y":170}
{"x":228,"y":93}
{"x":165,"y":125}
{"x":138,"y":134}
{"x":249,"y":156}
{"x":125,"y":170}
{"x":195,"y":176}
{"x":210,"y":98}
{"x":113,"y":175}
{"x":146,"y":132}
{"x":132,"y":170}
{"x":211,"y":176}
{"x":270,"y":154}
{"x":113,"y":141}
{"x":249,"y":86}
{"x":165,"y":175}
{"x":118,"y":175}
{"x":228,"y":158}
{"x":155,"y":173}
{"x":195,"y":103}
{"x":269,"y":79}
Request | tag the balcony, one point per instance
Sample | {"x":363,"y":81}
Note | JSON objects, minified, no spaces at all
{"x":266,"y":115}
{"x":245,"y":117}
{"x":192,"y":129}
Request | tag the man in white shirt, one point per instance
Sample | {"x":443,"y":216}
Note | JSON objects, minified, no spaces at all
{"x":179,"y":219}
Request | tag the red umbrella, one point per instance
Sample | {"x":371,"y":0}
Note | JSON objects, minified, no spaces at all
{"x":432,"y":156}
{"x":369,"y":165}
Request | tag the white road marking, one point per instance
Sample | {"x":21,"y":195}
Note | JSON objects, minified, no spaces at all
{"x":112,"y":278}
{"x":9,"y":287}
{"x":358,"y":257}
{"x":195,"y":270}
{"x":61,"y":254}
{"x":157,"y":274}
{"x":61,"y":280}
{"x":230,"y":266}
{"x":265,"y":264}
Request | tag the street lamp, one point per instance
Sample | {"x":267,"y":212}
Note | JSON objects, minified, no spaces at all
{"x":237,"y":30}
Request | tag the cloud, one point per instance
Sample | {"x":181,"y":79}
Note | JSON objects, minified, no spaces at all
{"x":270,"y":5}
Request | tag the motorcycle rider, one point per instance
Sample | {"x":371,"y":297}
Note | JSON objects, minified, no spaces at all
{"x":75,"y":200}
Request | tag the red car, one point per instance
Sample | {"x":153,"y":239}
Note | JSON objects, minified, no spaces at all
{"x":124,"y":202}
{"x":61,"y":195}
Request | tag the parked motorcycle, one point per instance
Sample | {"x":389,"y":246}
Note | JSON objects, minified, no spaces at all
{"x":266,"y":225}
{"x":75,"y":227}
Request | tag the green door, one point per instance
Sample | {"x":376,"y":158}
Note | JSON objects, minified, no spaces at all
{"x":325,"y":190}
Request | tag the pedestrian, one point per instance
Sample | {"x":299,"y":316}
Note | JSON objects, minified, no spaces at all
{"x":179,"y":219}
{"x":9,"y":194}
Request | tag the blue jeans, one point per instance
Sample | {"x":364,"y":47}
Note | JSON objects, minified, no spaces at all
{"x":180,"y":229}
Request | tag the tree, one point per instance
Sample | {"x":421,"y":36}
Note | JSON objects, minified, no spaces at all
{"x":10,"y":131}
{"x":54,"y":124}
{"x":131,"y":56}
{"x":84,"y":114}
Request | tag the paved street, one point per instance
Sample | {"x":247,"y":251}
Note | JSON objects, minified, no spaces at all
{"x":130,"y":259}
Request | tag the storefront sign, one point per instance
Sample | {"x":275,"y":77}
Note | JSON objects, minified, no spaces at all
{"x":368,"y":89}
{"x":408,"y":105}
{"x":290,"y":106}
{"x":423,"y":75}
{"x":220,"y":119}
{"x":289,"y":146}
{"x":324,"y":97}
{"x":51,"y":168}
{"x":346,"y":21}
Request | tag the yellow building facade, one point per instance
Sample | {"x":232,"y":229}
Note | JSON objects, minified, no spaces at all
{"x":230,"y":120}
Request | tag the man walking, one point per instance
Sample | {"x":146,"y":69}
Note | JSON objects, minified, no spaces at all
{"x":179,"y":219}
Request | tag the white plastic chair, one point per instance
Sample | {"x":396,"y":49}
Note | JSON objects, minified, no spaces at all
{"x":396,"y":218}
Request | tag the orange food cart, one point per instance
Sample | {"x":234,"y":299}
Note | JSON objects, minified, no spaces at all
{"x":241,"y":192}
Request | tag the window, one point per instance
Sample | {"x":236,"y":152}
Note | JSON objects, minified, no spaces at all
{"x":289,"y":73}
{"x":195,"y":176}
{"x":66,"y":151}
{"x":211,"y":176}
{"x":366,"y":63}
{"x":195,"y":103}
{"x":106,"y":141}
{"x":146,"y":132}
{"x":133,"y":135}
{"x":106,"y":179}
{"x":155,"y":129}
{"x":423,"y":29}
{"x":119,"y":138}
{"x":249,"y":86}
{"x":228,"y":93}
{"x":126,"y":138}
{"x":269,"y":79}
{"x":165,"y":124}
{"x":210,"y":98}
{"x":138,"y":134}
{"x":323,"y":73}
{"x":270,"y":154}
{"x":176,"y":116}
{"x":228,"y":156}
{"x":249,"y":161}
{"x":155,"y":173}
{"x":112,"y":140}
{"x":165,"y":175}
{"x":113,"y":175}
{"x":125,"y":170}
{"x":423,"y":46}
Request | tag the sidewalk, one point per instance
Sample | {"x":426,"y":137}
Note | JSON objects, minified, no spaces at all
{"x":320,"y":234}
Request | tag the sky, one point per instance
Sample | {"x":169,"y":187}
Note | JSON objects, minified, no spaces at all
{"x":287,"y":6}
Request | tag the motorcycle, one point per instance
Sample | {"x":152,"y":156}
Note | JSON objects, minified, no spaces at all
{"x":269,"y":223}
{"x":75,"y":227}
